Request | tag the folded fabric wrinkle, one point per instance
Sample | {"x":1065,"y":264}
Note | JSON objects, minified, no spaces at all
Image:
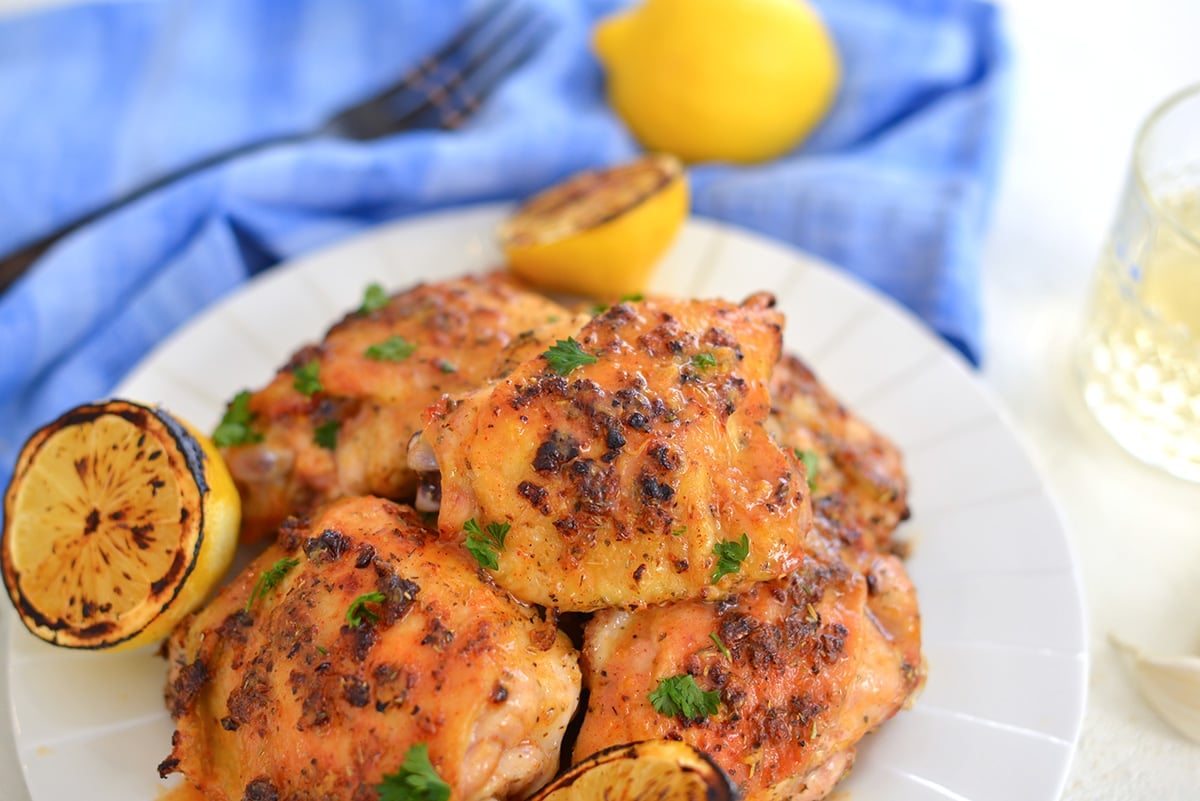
{"x":894,"y":187}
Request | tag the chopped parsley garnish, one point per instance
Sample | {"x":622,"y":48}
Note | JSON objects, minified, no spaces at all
{"x":392,"y":349}
{"x":679,"y":532}
{"x":704,"y":360}
{"x":359,"y":611}
{"x":681,"y":696}
{"x":485,"y":544}
{"x":567,"y":354}
{"x":322,"y":650}
{"x":306,"y":379}
{"x":812,"y":464}
{"x":234,"y":428}
{"x":374,"y":299}
{"x":730,"y":555}
{"x":270,"y":579}
{"x":721,"y":646}
{"x":416,"y":780}
{"x":326,"y":434}
{"x":599,"y":308}
{"x":446,"y":366}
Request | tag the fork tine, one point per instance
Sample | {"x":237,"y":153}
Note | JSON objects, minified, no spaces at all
{"x":445,"y":89}
{"x":476,"y":85}
{"x":479,"y":21}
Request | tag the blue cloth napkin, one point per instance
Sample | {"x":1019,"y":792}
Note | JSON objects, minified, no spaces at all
{"x":97,"y":98}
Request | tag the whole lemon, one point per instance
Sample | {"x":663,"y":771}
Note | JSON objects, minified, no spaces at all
{"x":719,"y":80}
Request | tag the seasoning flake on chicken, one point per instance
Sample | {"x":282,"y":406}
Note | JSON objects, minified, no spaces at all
{"x":367,"y":637}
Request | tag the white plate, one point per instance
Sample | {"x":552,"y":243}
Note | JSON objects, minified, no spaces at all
{"x":999,"y":591}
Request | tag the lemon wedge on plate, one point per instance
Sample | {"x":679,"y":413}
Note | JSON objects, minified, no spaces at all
{"x":119,"y":521}
{"x":664,"y":770}
{"x":599,"y":233}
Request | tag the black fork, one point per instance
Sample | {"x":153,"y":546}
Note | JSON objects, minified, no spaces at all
{"x":441,"y":92}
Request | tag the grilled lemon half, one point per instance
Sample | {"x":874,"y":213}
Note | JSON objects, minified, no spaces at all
{"x":119,"y":521}
{"x":664,"y":770}
{"x":599,"y":233}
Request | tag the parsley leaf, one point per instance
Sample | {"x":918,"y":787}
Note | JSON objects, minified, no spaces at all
{"x":306,"y":380}
{"x":679,"y":532}
{"x":359,"y":611}
{"x":487,"y":543}
{"x":730,"y":555}
{"x":704,"y":360}
{"x":567,"y":354}
{"x":234,"y":428}
{"x":681,"y":696}
{"x":812,"y":465}
{"x":270,"y":578}
{"x":446,"y":366}
{"x":636,"y":297}
{"x":721,"y":646}
{"x":416,"y":780}
{"x":326,"y":434}
{"x":392,"y":349}
{"x":374,"y":299}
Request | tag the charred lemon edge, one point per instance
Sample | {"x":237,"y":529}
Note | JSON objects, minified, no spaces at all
{"x":689,"y":759}
{"x":208,"y":543}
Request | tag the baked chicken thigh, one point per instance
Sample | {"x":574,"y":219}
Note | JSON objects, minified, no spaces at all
{"x":854,"y":462}
{"x":337,"y":418}
{"x":633,"y":465}
{"x":353,"y":638}
{"x":796,"y":670}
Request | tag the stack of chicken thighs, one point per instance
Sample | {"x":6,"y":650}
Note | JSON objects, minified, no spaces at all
{"x":501,"y":553}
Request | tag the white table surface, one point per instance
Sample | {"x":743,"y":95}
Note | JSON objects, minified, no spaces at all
{"x":1086,"y":73}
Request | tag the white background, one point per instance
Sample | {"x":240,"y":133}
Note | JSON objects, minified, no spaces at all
{"x":1086,"y":74}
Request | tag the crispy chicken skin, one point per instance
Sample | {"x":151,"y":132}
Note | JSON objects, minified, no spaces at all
{"x":620,"y":477}
{"x":459,"y":329}
{"x":816,"y":660}
{"x":277,"y":695}
{"x":855,"y":462}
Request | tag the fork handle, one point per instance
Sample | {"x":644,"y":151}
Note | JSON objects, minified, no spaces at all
{"x":17,"y":263}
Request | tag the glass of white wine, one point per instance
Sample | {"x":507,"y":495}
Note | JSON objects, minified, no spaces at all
{"x":1139,"y":357}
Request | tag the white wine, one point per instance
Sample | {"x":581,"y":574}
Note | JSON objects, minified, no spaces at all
{"x":1140,"y":357}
